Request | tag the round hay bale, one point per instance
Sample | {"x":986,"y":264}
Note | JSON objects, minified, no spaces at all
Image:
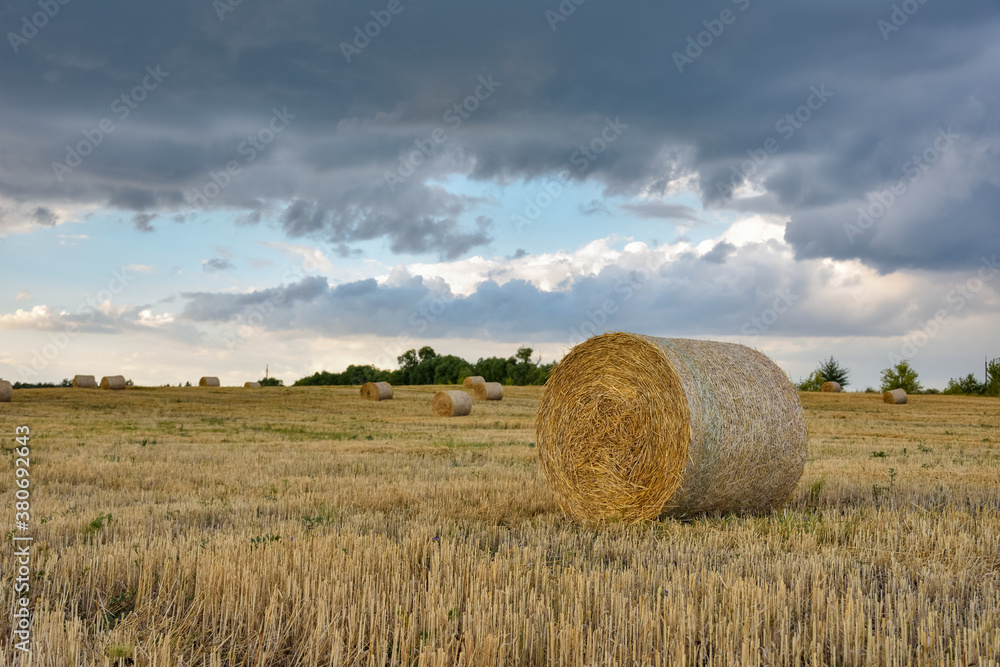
{"x":451,"y":404}
{"x":831,"y":386}
{"x":376,"y":391}
{"x":6,"y":391}
{"x":115,"y":382}
{"x":209,"y":381}
{"x":473,"y":380}
{"x":254,"y":385}
{"x":85,"y":382}
{"x":894,"y":397}
{"x":632,"y":427}
{"x":488,"y":391}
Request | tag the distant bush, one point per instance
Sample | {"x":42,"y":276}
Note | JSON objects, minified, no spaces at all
{"x":425,"y":366}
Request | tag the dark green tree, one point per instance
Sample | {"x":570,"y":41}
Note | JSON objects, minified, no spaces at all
{"x":832,"y":371}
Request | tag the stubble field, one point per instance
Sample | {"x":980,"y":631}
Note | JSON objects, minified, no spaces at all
{"x":304,"y":526}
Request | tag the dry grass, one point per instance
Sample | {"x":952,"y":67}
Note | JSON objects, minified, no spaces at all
{"x":301,"y":526}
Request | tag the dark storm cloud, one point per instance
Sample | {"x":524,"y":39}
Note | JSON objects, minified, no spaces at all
{"x":815,"y":106}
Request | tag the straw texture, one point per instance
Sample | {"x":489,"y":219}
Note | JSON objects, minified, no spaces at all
{"x":376,"y":391}
{"x":895,"y":397}
{"x":831,"y":386}
{"x":473,"y":380}
{"x":632,"y":428}
{"x":85,"y":382}
{"x":6,"y":391}
{"x":488,"y":391}
{"x":253,"y":385}
{"x":451,"y":404}
{"x":116,"y":382}
{"x":209,"y":381}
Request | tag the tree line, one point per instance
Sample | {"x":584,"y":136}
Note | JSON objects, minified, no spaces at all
{"x":903,"y":376}
{"x":425,"y":366}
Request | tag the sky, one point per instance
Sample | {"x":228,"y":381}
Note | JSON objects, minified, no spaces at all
{"x":215,"y":187}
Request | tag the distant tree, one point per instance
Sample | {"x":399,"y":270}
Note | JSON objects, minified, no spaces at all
{"x":271,"y":382}
{"x":992,"y":386}
{"x":128,"y":383}
{"x":523,"y":354}
{"x":901,"y":376}
{"x":426,"y":352}
{"x":187,"y":384}
{"x":967,"y":385}
{"x":66,"y":383}
{"x":813,"y":382}
{"x":834,"y":372}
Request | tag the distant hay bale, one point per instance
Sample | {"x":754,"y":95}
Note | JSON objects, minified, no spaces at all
{"x":116,"y":382}
{"x":473,"y":380}
{"x":6,"y":391}
{"x":85,"y":382}
{"x":831,"y":386}
{"x":488,"y":391}
{"x":209,"y":381}
{"x":895,"y":397}
{"x":451,"y":404}
{"x":376,"y":391}
{"x":254,"y":385}
{"x":632,"y":427}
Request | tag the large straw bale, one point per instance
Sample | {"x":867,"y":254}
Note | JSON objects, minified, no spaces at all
{"x":85,"y":382}
{"x":488,"y":391}
{"x":451,"y":404}
{"x":376,"y":391}
{"x":473,"y":380}
{"x":6,"y":391}
{"x":895,"y":397}
{"x":114,"y":382}
{"x":831,"y":386}
{"x":632,"y":427}
{"x":209,"y":381}
{"x":253,"y":385}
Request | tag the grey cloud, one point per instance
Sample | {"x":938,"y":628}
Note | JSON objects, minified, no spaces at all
{"x":594,"y":207}
{"x":662,"y":211}
{"x":216,"y":264}
{"x":142,"y":221}
{"x":324,"y":175}
{"x":689,"y":296}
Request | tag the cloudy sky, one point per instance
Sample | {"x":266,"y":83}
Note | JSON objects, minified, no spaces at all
{"x":205,"y":187}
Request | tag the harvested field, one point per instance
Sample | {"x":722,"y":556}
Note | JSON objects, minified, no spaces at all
{"x":301,"y":526}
